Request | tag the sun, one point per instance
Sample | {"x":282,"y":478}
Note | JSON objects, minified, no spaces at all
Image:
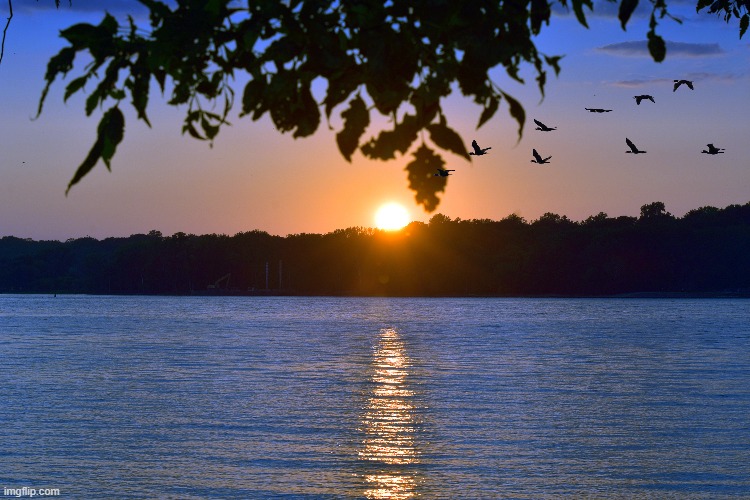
{"x":391,"y":216}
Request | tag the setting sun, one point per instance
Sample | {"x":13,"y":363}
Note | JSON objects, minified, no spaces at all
{"x":391,"y":216}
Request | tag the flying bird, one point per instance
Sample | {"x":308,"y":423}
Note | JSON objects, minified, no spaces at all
{"x":538,"y":159}
{"x":597,"y":110}
{"x":544,"y":128}
{"x":639,"y":98}
{"x":677,"y":83}
{"x":441,"y":172}
{"x":477,"y":150}
{"x":633,"y":148}
{"x":713,"y":150}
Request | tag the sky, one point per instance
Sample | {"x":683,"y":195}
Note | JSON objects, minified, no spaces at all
{"x":254,"y":178}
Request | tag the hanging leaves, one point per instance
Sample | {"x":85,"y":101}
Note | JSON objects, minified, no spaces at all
{"x":446,"y":138}
{"x":109,"y":134}
{"x":356,"y":119}
{"x":397,"y":58}
{"x":422,"y":180}
{"x":626,"y":10}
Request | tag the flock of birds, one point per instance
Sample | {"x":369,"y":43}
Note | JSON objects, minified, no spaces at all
{"x":478,"y":151}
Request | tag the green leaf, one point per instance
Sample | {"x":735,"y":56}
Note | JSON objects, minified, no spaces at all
{"x":517,"y":112}
{"x":62,"y":62}
{"x":422,"y":180}
{"x":80,"y":35}
{"x":400,"y":139}
{"x":578,"y":9}
{"x":307,"y":116}
{"x":109,"y":134}
{"x":88,"y":163}
{"x":744,"y":21}
{"x":626,"y":10}
{"x":112,"y":130}
{"x":356,"y":119}
{"x":489,"y":110}
{"x":540,"y":12}
{"x":74,"y":86}
{"x":252,"y":98}
{"x":656,"y":46}
{"x":447,"y":138}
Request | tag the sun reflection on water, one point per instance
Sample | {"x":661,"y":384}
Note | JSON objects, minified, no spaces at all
{"x":390,"y":424}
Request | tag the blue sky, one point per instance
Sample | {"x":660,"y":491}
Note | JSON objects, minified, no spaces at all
{"x":255,"y":178}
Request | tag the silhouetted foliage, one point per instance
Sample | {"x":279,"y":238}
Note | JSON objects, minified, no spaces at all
{"x":398,"y":58}
{"x":705,"y":251}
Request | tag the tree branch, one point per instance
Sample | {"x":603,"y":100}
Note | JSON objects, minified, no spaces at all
{"x":10,"y":16}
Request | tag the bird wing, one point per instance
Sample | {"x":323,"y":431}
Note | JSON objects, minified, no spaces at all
{"x":631,"y":145}
{"x":651,"y":98}
{"x":536,"y":155}
{"x":539,"y":123}
{"x":690,"y":85}
{"x":475,"y":146}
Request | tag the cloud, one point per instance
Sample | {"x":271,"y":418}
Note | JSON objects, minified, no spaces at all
{"x":695,"y":76}
{"x":674,"y":49}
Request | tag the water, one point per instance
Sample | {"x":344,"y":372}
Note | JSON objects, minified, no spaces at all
{"x":261,"y":397}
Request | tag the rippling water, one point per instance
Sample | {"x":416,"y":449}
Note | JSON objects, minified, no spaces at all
{"x":259,"y":397}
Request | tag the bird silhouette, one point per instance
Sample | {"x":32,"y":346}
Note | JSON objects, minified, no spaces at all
{"x":477,"y":150}
{"x":639,"y":98}
{"x":538,"y":159}
{"x":544,"y":128}
{"x":441,"y":172}
{"x":597,"y":110}
{"x":677,"y":83}
{"x":633,"y":148}
{"x":713,"y":150}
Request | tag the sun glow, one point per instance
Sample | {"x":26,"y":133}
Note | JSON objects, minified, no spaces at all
{"x":391,"y":216}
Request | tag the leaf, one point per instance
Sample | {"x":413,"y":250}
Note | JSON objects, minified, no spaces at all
{"x":307,"y":115}
{"x":62,"y":62}
{"x":356,"y":119}
{"x":109,"y":134}
{"x":656,"y":46}
{"x":517,"y":112}
{"x":626,"y":10}
{"x":702,"y":4}
{"x":422,"y":180}
{"x":400,"y":139}
{"x":74,"y":87}
{"x":744,"y":21}
{"x":447,"y":138}
{"x":540,"y":12}
{"x":112,"y":130}
{"x":88,"y":163}
{"x":578,"y":9}
{"x":489,"y":111}
{"x":252,"y":98}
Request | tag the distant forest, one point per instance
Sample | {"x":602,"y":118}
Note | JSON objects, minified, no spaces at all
{"x":707,"y":251}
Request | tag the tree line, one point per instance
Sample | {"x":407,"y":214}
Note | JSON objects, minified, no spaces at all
{"x":705,"y":251}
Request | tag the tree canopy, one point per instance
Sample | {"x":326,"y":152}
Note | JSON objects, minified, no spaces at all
{"x":703,"y":252}
{"x":396,"y":58}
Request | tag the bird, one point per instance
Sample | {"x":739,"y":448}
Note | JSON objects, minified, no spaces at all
{"x":538,"y":159}
{"x":677,"y":83}
{"x":639,"y":98}
{"x":597,"y":110}
{"x":713,"y":150}
{"x":477,"y":150}
{"x":633,"y":148}
{"x":544,"y":128}
{"x":441,"y":172}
